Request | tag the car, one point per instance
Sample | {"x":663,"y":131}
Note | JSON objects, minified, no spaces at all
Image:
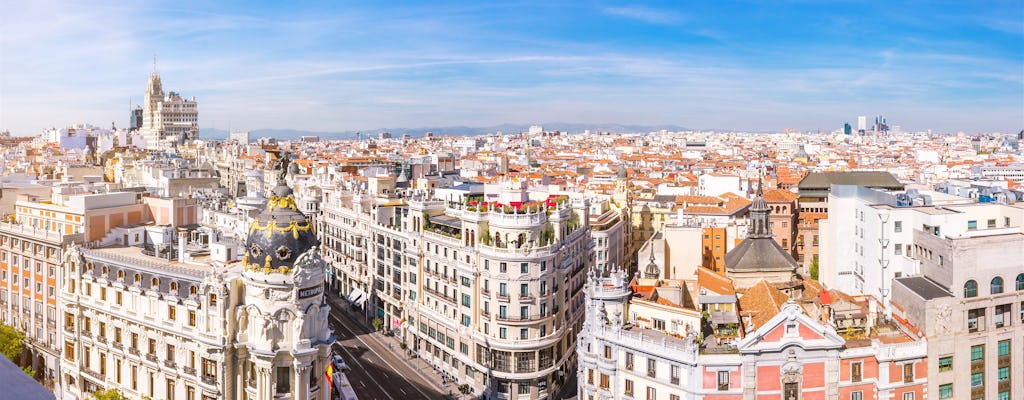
{"x":339,"y":364}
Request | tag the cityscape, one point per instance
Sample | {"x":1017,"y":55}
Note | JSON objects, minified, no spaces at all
{"x":869,"y":246}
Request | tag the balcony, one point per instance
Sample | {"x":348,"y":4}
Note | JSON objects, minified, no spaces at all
{"x":133,"y":351}
{"x":189,"y":370}
{"x":151,"y":357}
{"x":527,"y":318}
{"x":94,"y":374}
{"x":170,"y":364}
{"x":209,"y":380}
{"x":101,"y":339}
{"x":441,"y":295}
{"x":118,"y":345}
{"x":69,"y":329}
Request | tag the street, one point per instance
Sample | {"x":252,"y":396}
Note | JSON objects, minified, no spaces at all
{"x":377,"y":372}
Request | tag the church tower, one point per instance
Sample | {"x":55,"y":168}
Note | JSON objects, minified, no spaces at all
{"x":283,"y":336}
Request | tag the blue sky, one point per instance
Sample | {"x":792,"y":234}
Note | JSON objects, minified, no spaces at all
{"x":746,"y":65}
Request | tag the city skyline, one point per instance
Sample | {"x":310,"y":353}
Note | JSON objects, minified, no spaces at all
{"x":741,"y":66}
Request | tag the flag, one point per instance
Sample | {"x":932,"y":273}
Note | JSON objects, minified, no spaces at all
{"x":330,"y":374}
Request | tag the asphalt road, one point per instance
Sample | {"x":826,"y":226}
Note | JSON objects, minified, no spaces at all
{"x":376,"y":373}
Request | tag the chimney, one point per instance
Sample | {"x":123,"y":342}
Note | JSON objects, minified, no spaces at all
{"x":182,"y":232}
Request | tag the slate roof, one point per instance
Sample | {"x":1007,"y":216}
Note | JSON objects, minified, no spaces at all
{"x":924,"y":287}
{"x":825,"y":180}
{"x":759,"y":254}
{"x":18,"y":385}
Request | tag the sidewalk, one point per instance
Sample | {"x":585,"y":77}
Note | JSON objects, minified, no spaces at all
{"x":427,"y":374}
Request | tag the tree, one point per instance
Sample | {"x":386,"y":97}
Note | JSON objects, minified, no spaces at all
{"x":11,"y":343}
{"x":814,"y":268}
{"x":109,"y":394}
{"x":378,"y":324}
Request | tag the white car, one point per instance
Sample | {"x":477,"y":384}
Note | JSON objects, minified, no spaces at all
{"x":339,"y":364}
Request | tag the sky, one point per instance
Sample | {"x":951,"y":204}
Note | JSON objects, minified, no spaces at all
{"x":732,"y":65}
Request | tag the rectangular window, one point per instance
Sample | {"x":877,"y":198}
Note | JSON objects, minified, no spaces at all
{"x":908,"y":396}
{"x":209,"y":368}
{"x":607,"y":351}
{"x":855,"y":372}
{"x":723,"y":380}
{"x":651,"y":394}
{"x":629,"y":387}
{"x":977,"y":379}
{"x":946,"y":391}
{"x":465,"y":320}
{"x":652,"y":367}
{"x":991,"y":223}
{"x":976,"y":320}
{"x":1003,"y":347}
{"x":629,"y":361}
{"x":977,"y":353}
{"x":972,"y":225}
{"x":858,"y":395}
{"x":946,"y":364}
{"x":898,"y":226}
{"x":524,"y":268}
{"x":908,"y":373}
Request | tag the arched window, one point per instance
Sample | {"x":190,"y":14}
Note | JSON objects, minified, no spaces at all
{"x":120,"y":274}
{"x":105,"y":270}
{"x":1020,"y":282}
{"x":971,"y":289}
{"x":192,"y":290}
{"x":156,"y":282}
{"x":174,"y":285}
{"x":997,"y":285}
{"x":138,"y":278}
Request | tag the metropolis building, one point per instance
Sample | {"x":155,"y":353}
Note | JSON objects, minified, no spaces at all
{"x":202,"y":324}
{"x":488,"y":291}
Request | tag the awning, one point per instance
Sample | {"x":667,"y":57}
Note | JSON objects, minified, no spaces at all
{"x":356,"y":296}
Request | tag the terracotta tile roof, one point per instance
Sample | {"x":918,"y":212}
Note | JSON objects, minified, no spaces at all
{"x":714,"y":282}
{"x":779,"y":196}
{"x":761,"y":302}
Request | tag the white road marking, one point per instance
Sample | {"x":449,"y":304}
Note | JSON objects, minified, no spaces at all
{"x":378,"y":356}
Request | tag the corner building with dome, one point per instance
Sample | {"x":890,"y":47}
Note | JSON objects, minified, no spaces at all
{"x":195,"y":323}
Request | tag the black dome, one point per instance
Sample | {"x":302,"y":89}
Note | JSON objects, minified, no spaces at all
{"x":278,"y":235}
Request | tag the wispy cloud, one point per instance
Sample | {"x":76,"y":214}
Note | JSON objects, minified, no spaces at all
{"x":644,"y":14}
{"x":361,"y":67}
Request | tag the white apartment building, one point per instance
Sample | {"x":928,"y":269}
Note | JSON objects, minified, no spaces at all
{"x":201,"y":326}
{"x":968,"y":301}
{"x":865,"y":239}
{"x":489,"y":293}
{"x":167,"y":119}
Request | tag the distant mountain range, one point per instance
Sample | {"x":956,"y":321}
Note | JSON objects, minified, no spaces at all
{"x":212,"y":133}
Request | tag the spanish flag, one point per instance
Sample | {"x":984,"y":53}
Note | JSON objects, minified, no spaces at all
{"x":330,"y":374}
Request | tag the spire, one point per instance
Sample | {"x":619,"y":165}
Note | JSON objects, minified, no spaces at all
{"x":652,"y":271}
{"x":759,"y":211}
{"x":154,"y":63}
